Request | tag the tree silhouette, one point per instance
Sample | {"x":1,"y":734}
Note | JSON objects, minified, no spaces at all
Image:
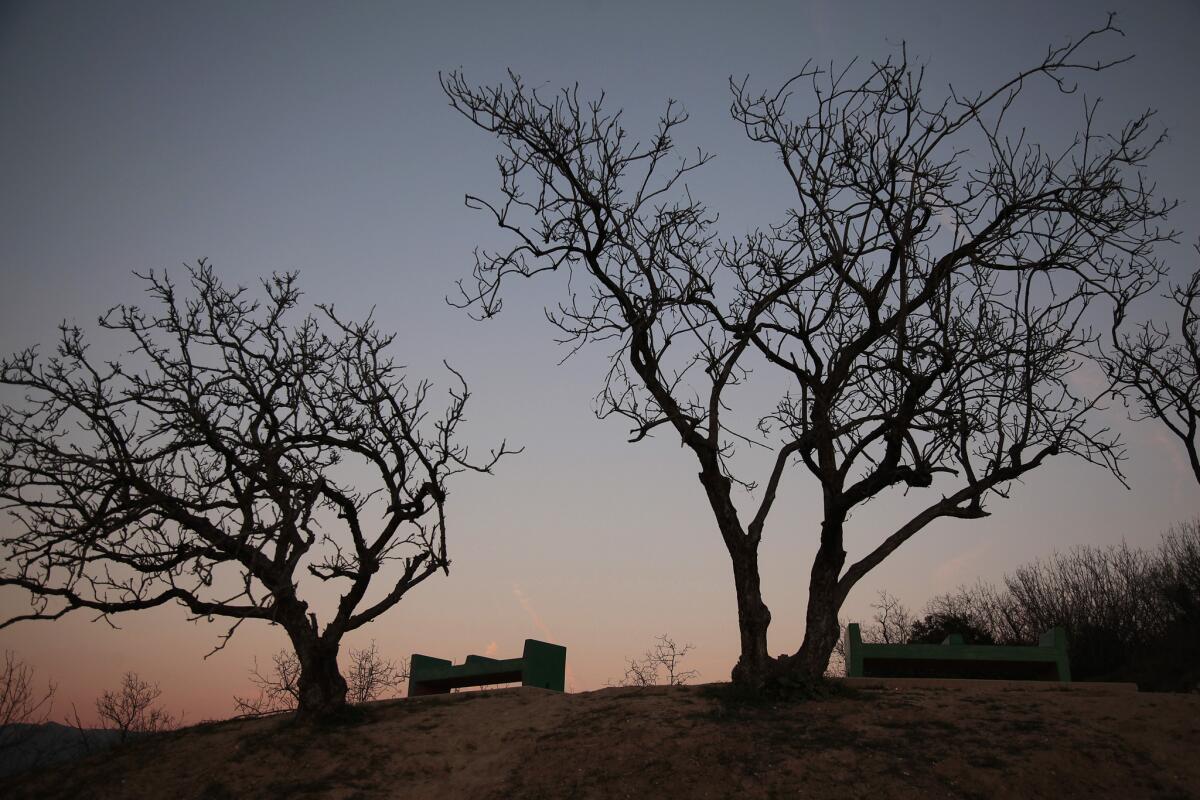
{"x":278,"y":688}
{"x":132,"y":710}
{"x":664,"y":660}
{"x":22,"y":705}
{"x":1158,"y":366}
{"x":924,"y":300}
{"x":372,"y":676}
{"x":222,"y":460}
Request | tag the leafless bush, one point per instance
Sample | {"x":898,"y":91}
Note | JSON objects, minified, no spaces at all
{"x":1181,"y":565}
{"x":278,"y":689}
{"x":372,"y":676}
{"x":663,"y":661}
{"x":639,"y":673}
{"x":1130,"y":614}
{"x":131,"y":709}
{"x":837,"y":659}
{"x":1109,"y":589}
{"x":891,"y":624}
{"x":892,"y":621}
{"x":985,"y":608}
{"x":20,"y":702}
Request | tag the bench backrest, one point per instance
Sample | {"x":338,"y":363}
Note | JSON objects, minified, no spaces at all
{"x":953,"y":659}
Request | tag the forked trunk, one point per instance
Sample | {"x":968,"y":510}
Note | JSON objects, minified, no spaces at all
{"x":753,"y":667}
{"x":821,"y":628}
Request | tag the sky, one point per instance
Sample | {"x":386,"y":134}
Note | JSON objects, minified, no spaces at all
{"x":314,"y":137}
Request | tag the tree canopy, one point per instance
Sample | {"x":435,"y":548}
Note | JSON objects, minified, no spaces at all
{"x":926,"y":297}
{"x":229,"y":453}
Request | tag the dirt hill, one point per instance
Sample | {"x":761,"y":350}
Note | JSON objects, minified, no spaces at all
{"x":682,"y":742}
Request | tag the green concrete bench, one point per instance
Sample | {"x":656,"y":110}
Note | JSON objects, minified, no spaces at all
{"x":953,"y":659}
{"x":541,"y":664}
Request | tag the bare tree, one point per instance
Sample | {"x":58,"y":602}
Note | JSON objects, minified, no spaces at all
{"x":372,"y":676}
{"x":664,"y":660}
{"x":278,"y":690}
{"x":21,"y":703}
{"x":985,"y":608}
{"x":668,"y":657}
{"x":1158,"y":366}
{"x":924,"y":299}
{"x":640,"y":673}
{"x":892,"y":622}
{"x":1130,"y":614}
{"x":227,"y":456}
{"x":1180,"y":566}
{"x":131,"y":709}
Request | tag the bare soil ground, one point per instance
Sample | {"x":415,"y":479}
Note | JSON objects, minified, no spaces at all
{"x":701,"y":742}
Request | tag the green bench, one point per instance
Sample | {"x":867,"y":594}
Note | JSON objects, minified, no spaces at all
{"x":541,"y":664}
{"x":954,"y":659}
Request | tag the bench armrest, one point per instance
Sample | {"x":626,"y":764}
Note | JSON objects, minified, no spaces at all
{"x":854,"y":654}
{"x":544,"y":665}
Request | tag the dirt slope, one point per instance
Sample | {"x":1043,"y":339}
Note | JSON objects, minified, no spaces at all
{"x":679,"y":742}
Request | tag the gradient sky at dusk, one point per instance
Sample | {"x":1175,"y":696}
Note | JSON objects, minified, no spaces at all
{"x":278,"y":136}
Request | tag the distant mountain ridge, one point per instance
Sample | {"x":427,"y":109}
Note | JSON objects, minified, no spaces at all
{"x":24,"y":746}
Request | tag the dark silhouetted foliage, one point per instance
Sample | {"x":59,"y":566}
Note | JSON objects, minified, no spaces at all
{"x":1130,"y":614}
{"x":934,"y":628}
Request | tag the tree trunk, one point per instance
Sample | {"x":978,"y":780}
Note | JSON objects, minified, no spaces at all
{"x":322,"y":689}
{"x":821,"y":628}
{"x":752,"y":668}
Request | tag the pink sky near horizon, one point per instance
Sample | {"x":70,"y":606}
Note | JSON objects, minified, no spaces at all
{"x":305,"y":137}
